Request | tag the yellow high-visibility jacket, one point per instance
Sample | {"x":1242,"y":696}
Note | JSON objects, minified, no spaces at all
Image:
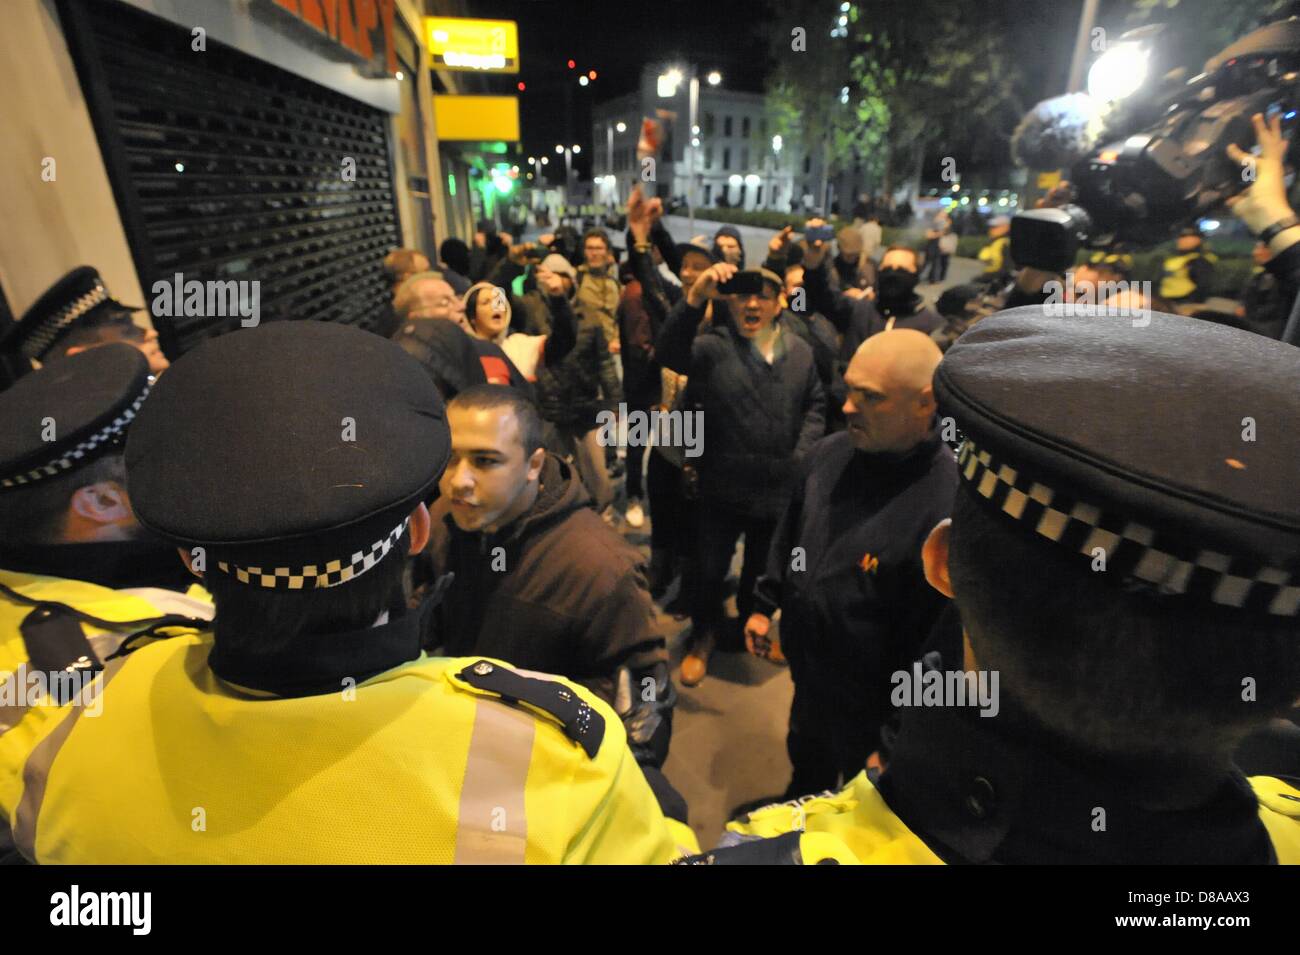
{"x":995,"y":255}
{"x":165,"y":763}
{"x":862,"y":825}
{"x":1185,"y":273}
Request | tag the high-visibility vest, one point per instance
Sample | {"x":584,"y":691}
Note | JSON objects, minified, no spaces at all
{"x":863,"y":824}
{"x":414,"y":765}
{"x":1177,"y":280}
{"x":994,"y":255}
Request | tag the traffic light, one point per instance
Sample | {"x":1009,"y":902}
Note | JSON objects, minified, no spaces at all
{"x":572,"y":64}
{"x":521,"y":85}
{"x":591,"y":75}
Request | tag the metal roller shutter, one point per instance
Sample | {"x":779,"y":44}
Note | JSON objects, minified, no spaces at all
{"x":227,"y":168}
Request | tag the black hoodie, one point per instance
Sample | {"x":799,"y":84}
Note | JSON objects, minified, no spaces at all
{"x":572,"y":598}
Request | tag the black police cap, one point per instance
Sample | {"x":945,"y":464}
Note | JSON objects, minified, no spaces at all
{"x":78,"y":299}
{"x":1168,"y":442}
{"x":61,"y":417}
{"x":293,"y":453}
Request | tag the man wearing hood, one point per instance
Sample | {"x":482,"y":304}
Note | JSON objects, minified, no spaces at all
{"x":540,"y":580}
{"x":727,"y":246}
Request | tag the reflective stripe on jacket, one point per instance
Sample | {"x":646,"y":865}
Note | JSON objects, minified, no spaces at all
{"x":411,"y":766}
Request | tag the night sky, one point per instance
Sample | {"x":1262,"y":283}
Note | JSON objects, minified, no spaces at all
{"x":726,"y":35}
{"x":617,"y":37}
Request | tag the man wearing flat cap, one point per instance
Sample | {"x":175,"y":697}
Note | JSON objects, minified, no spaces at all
{"x":1124,"y":553}
{"x":763,"y":407}
{"x":306,"y":725}
{"x":74,"y":314}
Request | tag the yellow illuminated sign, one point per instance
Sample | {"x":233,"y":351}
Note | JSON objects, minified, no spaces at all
{"x":477,"y":117}
{"x":485,"y":46}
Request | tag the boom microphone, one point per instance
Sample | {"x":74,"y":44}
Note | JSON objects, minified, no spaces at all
{"x":1058,"y":132}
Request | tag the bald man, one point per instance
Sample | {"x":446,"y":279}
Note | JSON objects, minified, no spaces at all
{"x":845,"y":564}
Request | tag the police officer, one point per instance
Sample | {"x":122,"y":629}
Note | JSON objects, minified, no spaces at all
{"x":1189,"y":272}
{"x":1124,"y":552}
{"x":306,"y":725}
{"x":74,"y":314}
{"x":77,"y":572}
{"x":996,"y":256}
{"x":70,"y":534}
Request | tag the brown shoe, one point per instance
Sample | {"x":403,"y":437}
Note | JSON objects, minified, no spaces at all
{"x":695,"y":665}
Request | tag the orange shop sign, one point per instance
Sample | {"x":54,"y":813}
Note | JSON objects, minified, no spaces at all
{"x":350,"y":23}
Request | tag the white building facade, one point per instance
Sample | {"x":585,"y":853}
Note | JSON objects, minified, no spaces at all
{"x":735,"y":158}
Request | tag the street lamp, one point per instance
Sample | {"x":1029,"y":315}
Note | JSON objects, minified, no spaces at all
{"x":576,"y":149}
{"x":559,"y":149}
{"x":610,"y":129}
{"x":666,"y":85}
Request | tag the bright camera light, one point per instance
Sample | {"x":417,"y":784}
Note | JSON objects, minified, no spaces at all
{"x":1118,"y":72}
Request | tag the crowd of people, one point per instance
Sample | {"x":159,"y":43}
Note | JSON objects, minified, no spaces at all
{"x":403,"y":624}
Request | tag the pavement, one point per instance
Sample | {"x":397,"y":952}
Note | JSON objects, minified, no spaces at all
{"x":728,"y":744}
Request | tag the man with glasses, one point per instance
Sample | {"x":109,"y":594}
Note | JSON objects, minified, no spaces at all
{"x":763,"y":408}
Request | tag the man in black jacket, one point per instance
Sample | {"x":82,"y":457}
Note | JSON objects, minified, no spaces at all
{"x":756,"y":386}
{"x":539,"y":580}
{"x":845,"y":568}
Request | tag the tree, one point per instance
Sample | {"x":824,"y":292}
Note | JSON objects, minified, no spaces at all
{"x":805,"y":93}
{"x":946,"y":75}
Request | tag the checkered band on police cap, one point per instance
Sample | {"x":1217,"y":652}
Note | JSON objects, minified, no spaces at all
{"x":331,"y":573}
{"x":111,"y":434}
{"x":1132,"y":550}
{"x":43,"y":337}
